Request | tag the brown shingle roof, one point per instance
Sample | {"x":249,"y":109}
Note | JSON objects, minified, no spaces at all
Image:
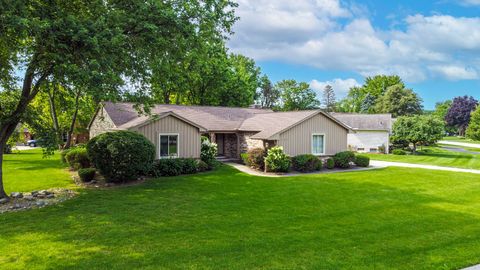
{"x":365,"y":121}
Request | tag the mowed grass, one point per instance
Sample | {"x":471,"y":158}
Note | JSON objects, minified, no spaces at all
{"x":460,"y":139}
{"x":380,"y":219}
{"x":28,"y":170}
{"x":434,"y":156}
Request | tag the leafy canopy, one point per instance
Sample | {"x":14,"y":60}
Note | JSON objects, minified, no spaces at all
{"x":417,"y":130}
{"x":296,"y":96}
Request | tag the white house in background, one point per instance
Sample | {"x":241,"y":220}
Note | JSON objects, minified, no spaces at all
{"x":372,"y":131}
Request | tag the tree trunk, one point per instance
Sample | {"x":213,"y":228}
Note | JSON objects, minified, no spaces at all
{"x":53,"y":114}
{"x":2,"y":190}
{"x":72,"y":124}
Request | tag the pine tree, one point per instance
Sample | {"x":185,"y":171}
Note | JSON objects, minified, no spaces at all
{"x":329,"y":98}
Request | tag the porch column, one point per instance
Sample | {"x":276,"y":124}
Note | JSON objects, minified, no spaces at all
{"x":213,"y":138}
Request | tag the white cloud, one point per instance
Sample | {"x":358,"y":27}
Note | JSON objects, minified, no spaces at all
{"x":470,"y":2}
{"x":340,"y":86}
{"x":308,"y":32}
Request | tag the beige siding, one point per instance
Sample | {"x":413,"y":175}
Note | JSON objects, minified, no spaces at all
{"x":101,"y":124}
{"x":189,"y":136}
{"x":298,"y":139}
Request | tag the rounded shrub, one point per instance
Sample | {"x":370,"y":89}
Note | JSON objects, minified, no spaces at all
{"x":362,"y":161}
{"x":399,"y":152}
{"x":343,"y":159}
{"x":122,"y":155}
{"x":167,"y":167}
{"x":306,"y":163}
{"x":202,"y":166}
{"x":77,"y":158}
{"x":189,"y":165}
{"x":86,"y":174}
{"x":276,"y":160}
{"x":256,"y":158}
{"x":330,"y":163}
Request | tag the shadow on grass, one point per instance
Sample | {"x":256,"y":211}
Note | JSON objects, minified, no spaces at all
{"x":229,"y":220}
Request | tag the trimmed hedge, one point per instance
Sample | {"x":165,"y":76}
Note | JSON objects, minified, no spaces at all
{"x":87,"y":174}
{"x":399,"y":152}
{"x":189,"y":165}
{"x":77,"y":158}
{"x":343,"y":159}
{"x":330,"y":163}
{"x":176,"y":166}
{"x":306,"y":163}
{"x":122,"y":155}
{"x":202,"y":166}
{"x":362,"y":161}
{"x":256,"y":158}
{"x":277,"y":160}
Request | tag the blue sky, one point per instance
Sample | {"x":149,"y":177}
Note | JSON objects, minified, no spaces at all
{"x":433,"y":45}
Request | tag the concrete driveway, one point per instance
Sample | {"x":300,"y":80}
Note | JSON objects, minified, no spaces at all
{"x":471,"y":145}
{"x":378,"y":163}
{"x":23,"y":148}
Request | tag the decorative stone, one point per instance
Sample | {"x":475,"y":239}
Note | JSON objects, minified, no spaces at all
{"x":40,"y":203}
{"x":44,"y":192}
{"x":50,"y":196}
{"x":40,"y":196}
{"x":16,"y":195}
{"x":29,"y":198}
{"x":34,"y":193}
{"x":3,"y":200}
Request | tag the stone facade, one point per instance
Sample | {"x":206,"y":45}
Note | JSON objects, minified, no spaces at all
{"x":101,"y":124}
{"x":230,"y":147}
{"x":246,"y":143}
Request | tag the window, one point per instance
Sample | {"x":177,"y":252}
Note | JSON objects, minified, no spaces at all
{"x":373,"y":150}
{"x":168,"y":145}
{"x":318,"y":144}
{"x":360,"y":149}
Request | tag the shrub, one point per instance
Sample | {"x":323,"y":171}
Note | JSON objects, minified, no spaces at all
{"x":277,"y":160}
{"x":122,"y":155}
{"x":167,"y":167}
{"x":343,"y":159}
{"x":209,"y":153}
{"x":86,"y":174}
{"x":244,"y":157}
{"x":399,"y":152}
{"x":362,"y":161}
{"x":256,"y":158}
{"x":306,"y":163}
{"x":77,"y":158}
{"x":189,"y":165}
{"x":382,"y":149}
{"x":202,"y":166}
{"x":330,"y":163}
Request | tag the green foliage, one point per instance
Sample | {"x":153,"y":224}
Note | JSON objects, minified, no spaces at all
{"x":343,"y":159}
{"x":306,"y":163}
{"x":276,"y":160}
{"x":399,"y":101}
{"x":473,"y":130}
{"x":330,"y":163}
{"x":86,"y":174}
{"x":244,"y":157}
{"x":77,"y":158}
{"x":296,"y":96}
{"x":255,"y":158}
{"x":189,"y":165}
{"x":417,"y":130}
{"x":399,"y":152}
{"x":208,"y":153}
{"x":202,"y":166}
{"x":122,"y":155}
{"x":167,"y":167}
{"x":362,"y":161}
{"x":329,"y":100}
{"x":267,"y":95}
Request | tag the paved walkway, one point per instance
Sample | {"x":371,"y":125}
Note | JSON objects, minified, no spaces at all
{"x":251,"y":171}
{"x":22,"y":148}
{"x":475,"y":267}
{"x":459,"y":150}
{"x":472,"y":145}
{"x":383,"y":164}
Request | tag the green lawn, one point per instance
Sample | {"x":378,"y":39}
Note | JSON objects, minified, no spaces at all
{"x":460,"y":139}
{"x":388,"y":218}
{"x":28,"y":170}
{"x":434,"y":156}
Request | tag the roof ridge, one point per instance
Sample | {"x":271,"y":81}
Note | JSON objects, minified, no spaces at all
{"x":198,"y":106}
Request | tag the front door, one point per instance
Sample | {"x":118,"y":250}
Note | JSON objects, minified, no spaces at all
{"x":220,"y":138}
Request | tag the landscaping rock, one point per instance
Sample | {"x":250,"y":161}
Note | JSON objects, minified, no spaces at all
{"x":41,"y":203}
{"x":16,"y":195}
{"x":29,"y":198}
{"x":3,"y":200}
{"x":50,"y":196}
{"x":34,"y":193}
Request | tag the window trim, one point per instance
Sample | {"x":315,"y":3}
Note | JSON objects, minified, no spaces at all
{"x":160,"y":145}
{"x":324,"y":145}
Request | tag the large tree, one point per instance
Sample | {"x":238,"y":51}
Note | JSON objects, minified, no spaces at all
{"x":329,"y":100}
{"x":399,"y":101}
{"x":473,"y":130}
{"x":267,"y":95}
{"x":296,"y":96}
{"x":458,"y":114}
{"x":417,"y":130}
{"x":97,"y":45}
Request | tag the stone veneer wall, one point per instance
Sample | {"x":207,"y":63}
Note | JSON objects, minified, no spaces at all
{"x":246,"y":143}
{"x":230,"y":148}
{"x":101,"y":124}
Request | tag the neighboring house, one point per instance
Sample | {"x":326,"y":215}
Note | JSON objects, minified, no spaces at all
{"x":175,"y":130}
{"x":372,"y":131}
